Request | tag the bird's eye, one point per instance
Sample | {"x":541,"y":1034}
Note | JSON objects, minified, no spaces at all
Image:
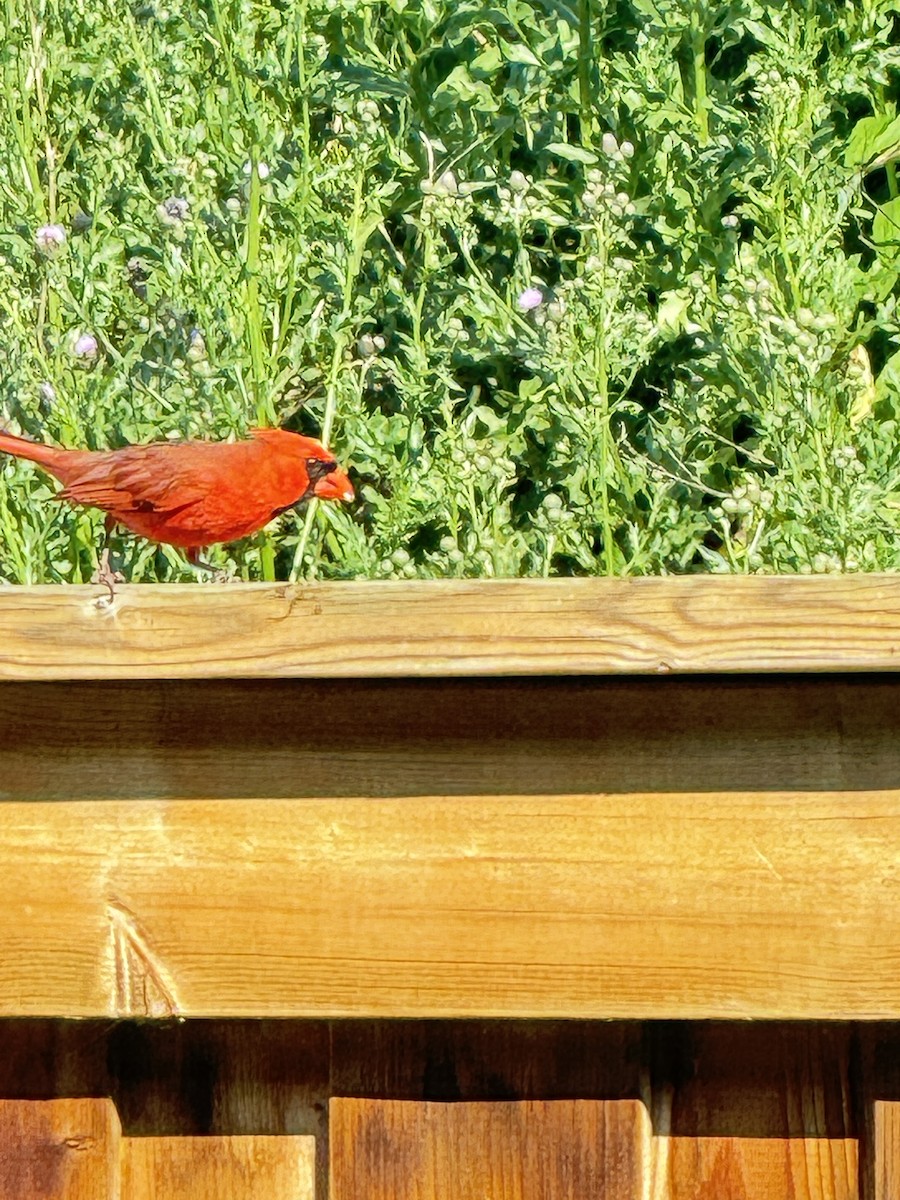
{"x":318,"y":468}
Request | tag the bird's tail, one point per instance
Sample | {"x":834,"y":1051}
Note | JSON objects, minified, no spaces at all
{"x":47,"y":456}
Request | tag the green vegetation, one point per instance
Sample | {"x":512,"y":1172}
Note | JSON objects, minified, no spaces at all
{"x":586,"y":287}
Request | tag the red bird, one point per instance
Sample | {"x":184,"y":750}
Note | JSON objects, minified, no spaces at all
{"x":192,"y":494}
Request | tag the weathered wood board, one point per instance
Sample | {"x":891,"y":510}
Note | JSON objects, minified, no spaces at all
{"x":218,"y":1168}
{"x":64,"y":1149}
{"x":517,"y":1150}
{"x":501,"y":627}
{"x":885,"y":1149}
{"x":692,"y":905}
{"x":286,"y":738}
{"x":758,"y":1113}
{"x":662,"y":1110}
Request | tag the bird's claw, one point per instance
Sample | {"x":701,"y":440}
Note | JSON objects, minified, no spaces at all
{"x":106,"y":576}
{"x":109,"y":579}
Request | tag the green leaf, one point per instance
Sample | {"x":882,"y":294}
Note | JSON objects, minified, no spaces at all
{"x":572,"y":153}
{"x":671,"y":315}
{"x":870,"y":137}
{"x":886,"y":226}
{"x":887,"y":385}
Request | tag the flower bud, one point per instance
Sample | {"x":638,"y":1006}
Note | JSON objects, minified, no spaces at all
{"x":173,"y":211}
{"x":447,"y":183}
{"x":85,"y":346}
{"x":530,"y":299}
{"x":196,"y":346}
{"x":50,"y":239}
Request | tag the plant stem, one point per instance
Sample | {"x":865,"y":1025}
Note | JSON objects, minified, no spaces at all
{"x":585,"y":65}
{"x":341,"y":340}
{"x":157,"y":129}
{"x":354,"y":258}
{"x":701,"y":103}
{"x":264,"y":412}
{"x":20,"y":119}
{"x":601,"y":375}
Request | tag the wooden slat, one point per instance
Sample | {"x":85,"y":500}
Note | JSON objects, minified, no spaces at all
{"x":218,"y":1168}
{"x":763,"y":1114}
{"x":394,"y":737}
{"x":502,"y":627}
{"x":59,"y":1150}
{"x":408,"y":1150}
{"x":740,"y":1100}
{"x":484,"y":1060}
{"x":885,"y":1130}
{"x":760,"y":905}
{"x":275,"y":1076}
{"x":803,"y":1168}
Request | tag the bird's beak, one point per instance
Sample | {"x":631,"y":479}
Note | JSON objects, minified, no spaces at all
{"x":334,"y":486}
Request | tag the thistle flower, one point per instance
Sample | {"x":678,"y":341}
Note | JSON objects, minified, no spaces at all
{"x":530,"y":299}
{"x":50,"y":239}
{"x":173,"y":211}
{"x":85,"y":346}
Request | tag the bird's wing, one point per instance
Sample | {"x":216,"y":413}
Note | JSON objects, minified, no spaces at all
{"x":145,"y":482}
{"x":186,"y":493}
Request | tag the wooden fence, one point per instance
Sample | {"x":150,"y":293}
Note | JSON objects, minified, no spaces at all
{"x":522,"y":889}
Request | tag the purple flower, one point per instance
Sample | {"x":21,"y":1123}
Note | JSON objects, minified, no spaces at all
{"x":530,"y":299}
{"x":85,"y":346}
{"x":50,"y":239}
{"x":173,"y":211}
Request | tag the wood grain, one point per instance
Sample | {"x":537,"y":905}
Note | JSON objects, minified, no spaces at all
{"x":803,"y":1168}
{"x":740,"y":1101}
{"x":483,"y":1060}
{"x":689,"y":906}
{"x":885,"y":1131}
{"x":218,"y":1168}
{"x":501,"y":627}
{"x":402,"y":737}
{"x":59,"y":1150}
{"x":274,"y":1077}
{"x":760,"y":1114}
{"x":408,"y":1150}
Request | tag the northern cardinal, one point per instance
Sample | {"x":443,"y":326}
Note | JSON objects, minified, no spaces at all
{"x":191,"y":494}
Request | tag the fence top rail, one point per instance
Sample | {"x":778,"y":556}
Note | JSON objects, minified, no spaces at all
{"x":672,"y":625}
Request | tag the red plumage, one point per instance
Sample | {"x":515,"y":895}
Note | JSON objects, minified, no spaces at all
{"x":193,"y":494}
